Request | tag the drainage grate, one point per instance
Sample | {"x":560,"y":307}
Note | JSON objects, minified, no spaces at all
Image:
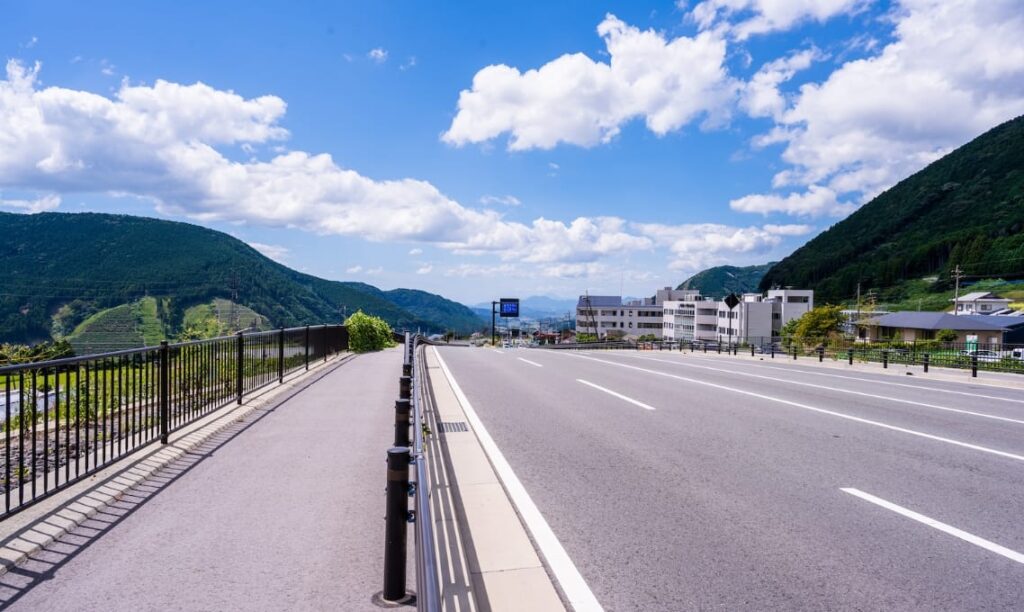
{"x":450,"y":426}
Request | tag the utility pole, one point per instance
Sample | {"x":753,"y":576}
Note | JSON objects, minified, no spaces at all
{"x":957,"y":275}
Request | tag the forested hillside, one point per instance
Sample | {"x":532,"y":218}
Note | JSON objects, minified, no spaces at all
{"x":965,"y":209}
{"x":720,"y":281}
{"x":60,"y":269}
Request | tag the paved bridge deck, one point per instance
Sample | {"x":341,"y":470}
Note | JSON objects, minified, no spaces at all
{"x":281,"y":510}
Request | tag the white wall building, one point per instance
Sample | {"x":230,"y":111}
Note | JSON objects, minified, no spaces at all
{"x":604,"y":314}
{"x":755,"y":317}
{"x":980,"y":302}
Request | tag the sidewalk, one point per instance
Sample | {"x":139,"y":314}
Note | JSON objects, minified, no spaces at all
{"x":281,"y":510}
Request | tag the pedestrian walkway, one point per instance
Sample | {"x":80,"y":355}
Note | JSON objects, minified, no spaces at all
{"x":281,"y":511}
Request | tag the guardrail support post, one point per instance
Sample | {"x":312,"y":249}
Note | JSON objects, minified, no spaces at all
{"x":885,"y":359}
{"x":396,"y":522}
{"x":307,"y":347}
{"x":280,"y":356}
{"x":974,"y":365}
{"x":751,"y":350}
{"x":405,"y":387}
{"x":794,"y":352}
{"x":849,"y":355}
{"x":821,"y":354}
{"x":240,"y":370}
{"x":925,"y":360}
{"x":165,"y":408}
{"x":773,"y":350}
{"x":403,"y":408}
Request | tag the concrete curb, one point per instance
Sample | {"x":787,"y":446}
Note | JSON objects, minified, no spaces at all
{"x":29,"y":532}
{"x":504,"y":567}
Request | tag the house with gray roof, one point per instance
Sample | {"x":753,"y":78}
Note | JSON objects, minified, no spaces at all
{"x":912,"y":326}
{"x":980,"y":302}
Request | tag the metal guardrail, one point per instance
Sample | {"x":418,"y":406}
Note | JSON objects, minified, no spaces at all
{"x":66,"y":419}
{"x":427,"y":575}
{"x":928,"y":353}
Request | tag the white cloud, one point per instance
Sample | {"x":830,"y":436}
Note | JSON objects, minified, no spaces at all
{"x":506,"y":200}
{"x":160,"y":144}
{"x":415,"y":252}
{"x":32,"y":42}
{"x":43,"y":204}
{"x":378,"y":55}
{"x":575,"y":100}
{"x":553,"y":166}
{"x":353,"y":270}
{"x":814,"y":202}
{"x":744,"y":18}
{"x":761,"y":97}
{"x":273,"y":251}
{"x":470,"y":270}
{"x":375,"y":271}
{"x":409,"y":63}
{"x":425,"y":269}
{"x":700,"y":245}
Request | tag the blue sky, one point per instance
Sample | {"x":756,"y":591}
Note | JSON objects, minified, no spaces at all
{"x":651,"y":139}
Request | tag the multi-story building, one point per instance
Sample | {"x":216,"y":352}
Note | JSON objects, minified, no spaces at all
{"x":756,"y":316}
{"x":608,"y":316}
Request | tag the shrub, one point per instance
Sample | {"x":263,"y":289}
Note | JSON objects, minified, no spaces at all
{"x":368,"y":333}
{"x":945,"y":335}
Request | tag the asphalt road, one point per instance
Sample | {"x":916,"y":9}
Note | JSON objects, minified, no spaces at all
{"x":283,"y":511}
{"x":716,"y":483}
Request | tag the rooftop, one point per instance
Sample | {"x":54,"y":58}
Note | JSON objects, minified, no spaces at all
{"x":944,"y":320}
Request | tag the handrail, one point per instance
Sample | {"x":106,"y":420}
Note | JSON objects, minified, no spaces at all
{"x":427,"y":577}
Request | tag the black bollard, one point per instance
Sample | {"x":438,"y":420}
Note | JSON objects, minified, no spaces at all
{"x":396,"y":520}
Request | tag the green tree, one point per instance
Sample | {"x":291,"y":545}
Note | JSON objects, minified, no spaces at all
{"x":817,"y":323}
{"x":368,"y":333}
{"x":945,"y":335}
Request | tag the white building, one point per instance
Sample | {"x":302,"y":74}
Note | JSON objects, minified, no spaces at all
{"x":608,"y":315}
{"x":980,"y":302}
{"x":755,"y":317}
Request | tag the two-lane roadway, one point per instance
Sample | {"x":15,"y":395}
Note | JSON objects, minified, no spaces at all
{"x":679,"y":481}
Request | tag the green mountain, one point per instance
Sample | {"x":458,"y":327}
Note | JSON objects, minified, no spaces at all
{"x":435,"y":308}
{"x":720,"y":281}
{"x":965,"y":209}
{"x":59,"y":269}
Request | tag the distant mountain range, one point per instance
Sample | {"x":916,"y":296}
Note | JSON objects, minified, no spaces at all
{"x":966,"y":210}
{"x":61,"y":268}
{"x":720,"y":281}
{"x":534,"y":307}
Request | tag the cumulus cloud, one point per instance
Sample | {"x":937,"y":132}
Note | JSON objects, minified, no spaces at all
{"x":42,"y":204}
{"x":162,"y":143}
{"x":954,"y":70}
{"x":467,"y":270}
{"x":744,"y":18}
{"x":273,"y":251}
{"x":698,"y":246}
{"x":576,"y":100}
{"x":761,"y":97}
{"x":425,"y":269}
{"x":415,"y":252}
{"x":378,"y":55}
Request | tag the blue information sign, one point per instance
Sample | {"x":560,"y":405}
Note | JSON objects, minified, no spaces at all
{"x":508,"y":307}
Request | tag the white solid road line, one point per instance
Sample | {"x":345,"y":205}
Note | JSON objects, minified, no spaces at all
{"x":841,"y":415}
{"x":882,"y":382}
{"x":943,"y":527}
{"x":983,"y":415}
{"x":580,"y":596}
{"x":533,"y":363}
{"x":613,"y":393}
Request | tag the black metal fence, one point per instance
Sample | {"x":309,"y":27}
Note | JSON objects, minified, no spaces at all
{"x":928,"y":353}
{"x":63,"y":420}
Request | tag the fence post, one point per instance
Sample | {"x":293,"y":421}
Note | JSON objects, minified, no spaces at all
{"x":395,"y":524}
{"x":405,"y":387}
{"x":794,"y":352}
{"x":403,"y":408}
{"x":821,"y":354}
{"x":885,"y":359}
{"x":240,"y":370}
{"x":849,"y":354}
{"x":165,"y":408}
{"x":751,"y":350}
{"x":925,"y":360}
{"x":974,"y":365}
{"x":307,"y":347}
{"x":719,"y":346}
{"x":773,"y":350}
{"x":280,"y":356}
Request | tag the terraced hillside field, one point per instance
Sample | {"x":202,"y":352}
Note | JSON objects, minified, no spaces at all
{"x":122,"y":327}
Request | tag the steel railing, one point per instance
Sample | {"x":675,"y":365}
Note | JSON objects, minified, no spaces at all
{"x":66,"y":419}
{"x":427,"y":575}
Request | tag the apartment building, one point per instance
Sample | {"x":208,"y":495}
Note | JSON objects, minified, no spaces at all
{"x":756,"y":316}
{"x":610,"y":316}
